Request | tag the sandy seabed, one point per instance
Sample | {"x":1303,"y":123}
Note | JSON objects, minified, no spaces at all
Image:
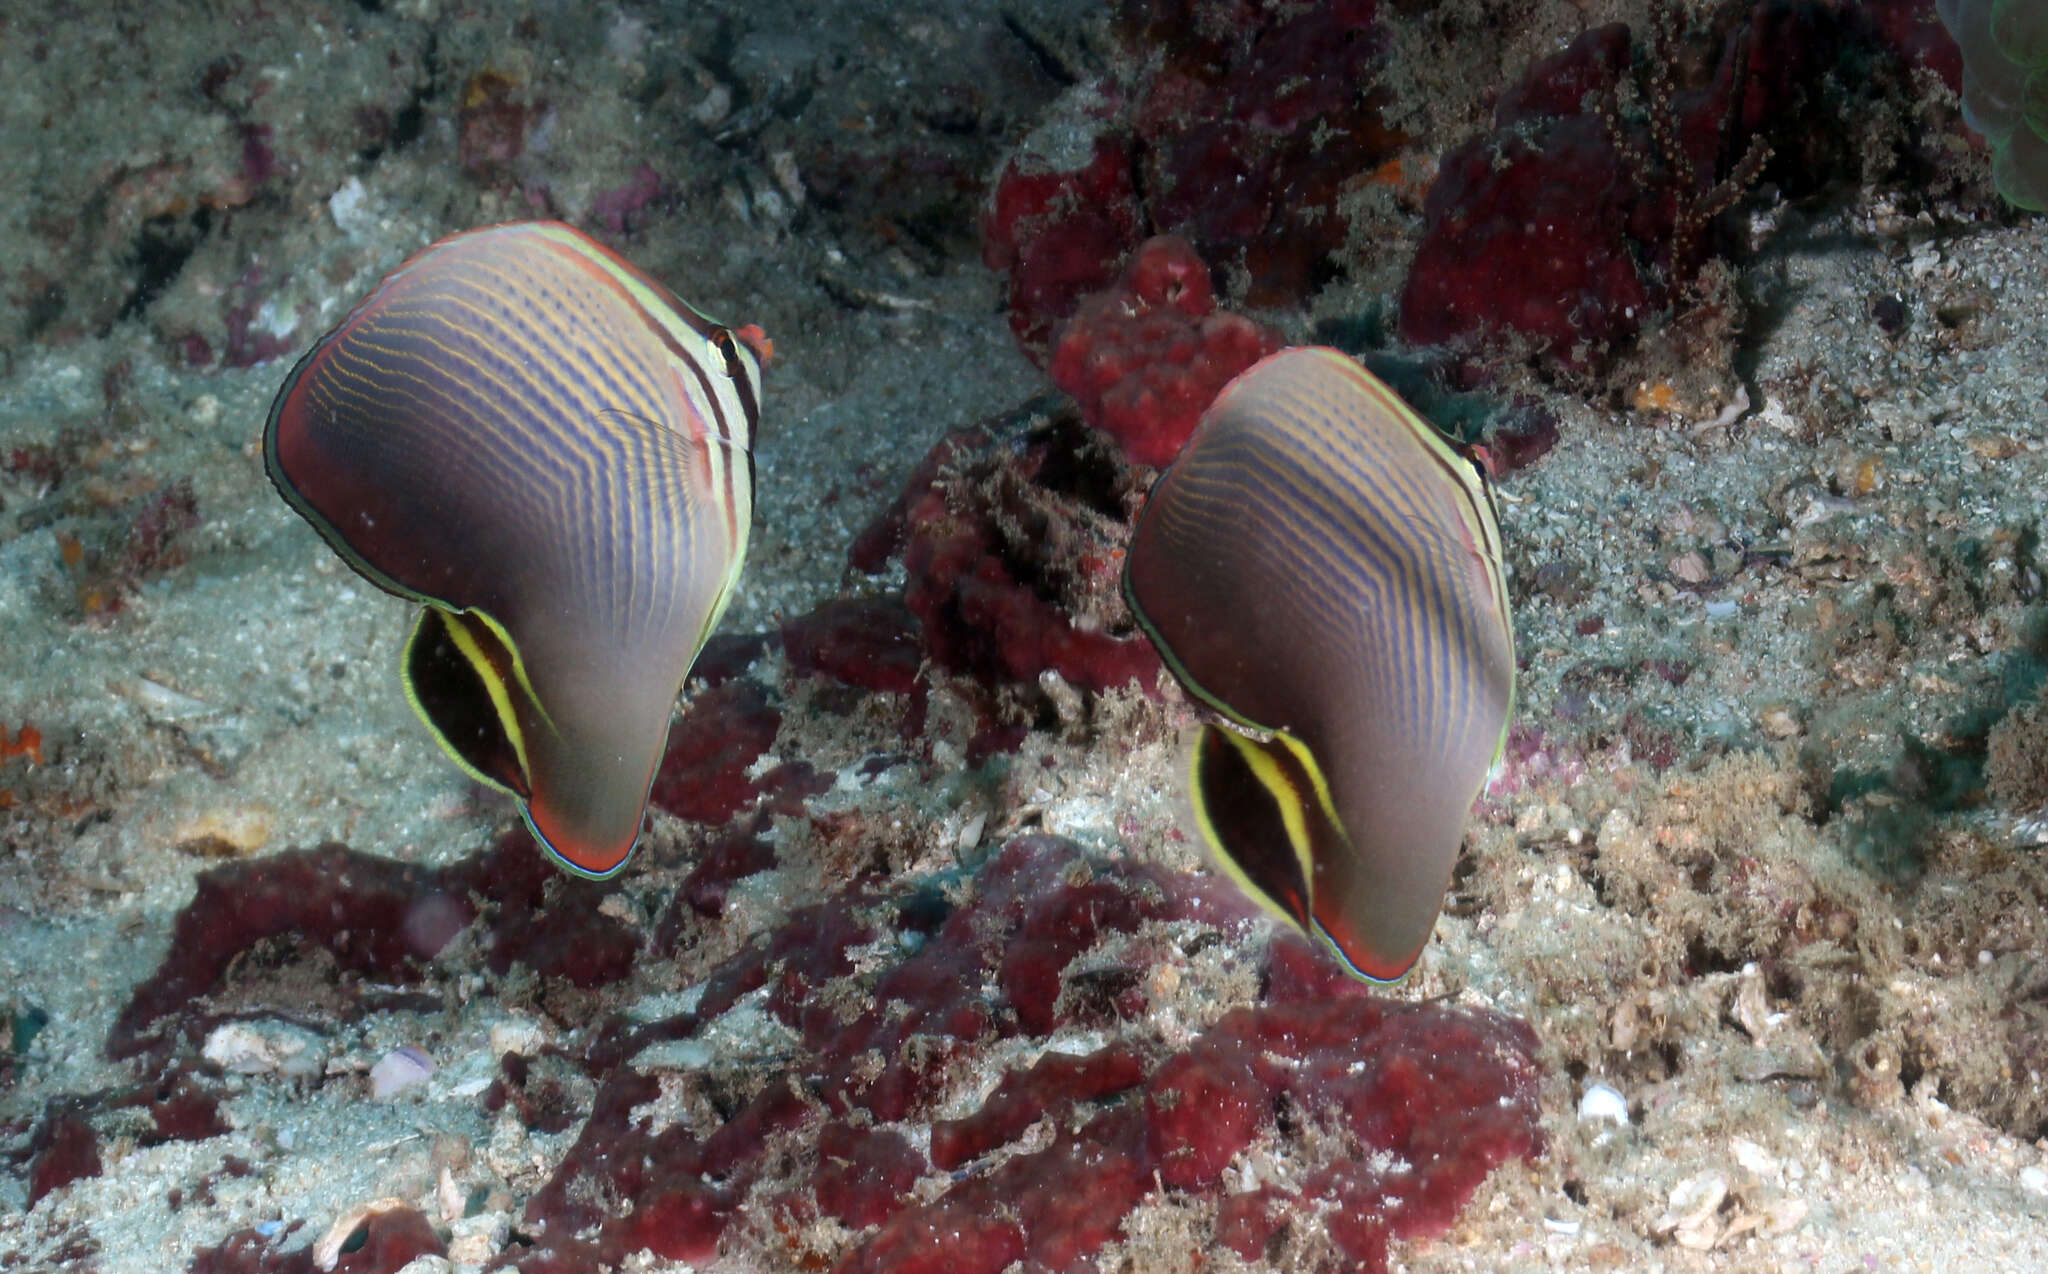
{"x":1765,"y":857}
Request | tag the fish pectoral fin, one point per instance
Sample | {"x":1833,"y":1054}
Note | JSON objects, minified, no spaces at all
{"x":465,"y":680}
{"x":707,"y":453}
{"x":657,"y":434}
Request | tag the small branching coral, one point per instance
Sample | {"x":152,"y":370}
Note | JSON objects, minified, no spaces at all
{"x":1694,"y":198}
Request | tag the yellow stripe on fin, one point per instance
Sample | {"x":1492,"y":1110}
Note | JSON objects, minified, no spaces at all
{"x":461,"y":673}
{"x":1252,"y":796}
{"x":1250,"y":813}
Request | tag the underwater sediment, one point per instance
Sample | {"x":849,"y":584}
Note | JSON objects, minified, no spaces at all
{"x":919,"y":963}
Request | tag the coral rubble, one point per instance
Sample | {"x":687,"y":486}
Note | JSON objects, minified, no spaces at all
{"x":1012,"y":551}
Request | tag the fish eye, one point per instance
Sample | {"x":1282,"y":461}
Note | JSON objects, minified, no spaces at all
{"x":1483,"y":461}
{"x":729,"y":346}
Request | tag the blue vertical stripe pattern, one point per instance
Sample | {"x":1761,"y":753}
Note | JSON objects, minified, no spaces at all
{"x":1322,"y":569}
{"x":544,"y":446}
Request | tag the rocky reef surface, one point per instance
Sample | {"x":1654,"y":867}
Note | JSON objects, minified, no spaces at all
{"x":919,"y":966}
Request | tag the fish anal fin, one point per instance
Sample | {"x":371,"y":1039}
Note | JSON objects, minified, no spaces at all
{"x":463,"y":679}
{"x":1264,"y":806}
{"x":1252,"y":808}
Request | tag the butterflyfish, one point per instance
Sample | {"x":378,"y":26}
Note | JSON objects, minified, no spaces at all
{"x":554,"y":456}
{"x":1323,"y":570}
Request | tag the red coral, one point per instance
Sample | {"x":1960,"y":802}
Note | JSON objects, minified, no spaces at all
{"x":953,"y":1236}
{"x":1251,"y":136}
{"x":1431,"y":1100}
{"x":379,"y":921}
{"x":740,"y":852}
{"x":1247,"y":1222}
{"x":1204,"y":1111}
{"x":1571,"y":225}
{"x":1059,"y":233}
{"x":863,"y":1173}
{"x":1527,"y":233}
{"x":894,"y":997}
{"x":1530,"y":239}
{"x":1059,"y":927}
{"x":386,"y":1242}
{"x":63,"y":1150}
{"x":705,"y":774}
{"x":1074,"y":1195}
{"x":1912,"y":31}
{"x":681,"y":1222}
{"x":723,"y":731}
{"x":870,"y":642}
{"x":885,"y":536}
{"x":541,"y":1101}
{"x":987,"y":623}
{"x":1068,"y":1200}
{"x":545,"y":918}
{"x":1248,"y":127}
{"x":1145,"y":359}
{"x":727,"y":656}
{"x":182,"y":1106}
{"x":1520,"y":436}
{"x":392,"y":1239}
{"x":1561,"y":85}
{"x":1049,"y":1088}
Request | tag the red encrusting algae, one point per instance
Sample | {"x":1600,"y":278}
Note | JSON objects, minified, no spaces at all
{"x":897,"y":1003}
{"x":1146,"y":358}
{"x":1395,"y":1111}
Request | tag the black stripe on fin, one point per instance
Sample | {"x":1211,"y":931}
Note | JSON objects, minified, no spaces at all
{"x":1242,"y":789}
{"x":448,"y":688}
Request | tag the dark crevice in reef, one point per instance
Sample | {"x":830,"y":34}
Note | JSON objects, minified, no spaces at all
{"x":161,"y":249}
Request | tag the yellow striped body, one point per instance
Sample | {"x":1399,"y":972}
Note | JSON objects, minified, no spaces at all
{"x":1321,"y":568}
{"x":542,"y":445}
